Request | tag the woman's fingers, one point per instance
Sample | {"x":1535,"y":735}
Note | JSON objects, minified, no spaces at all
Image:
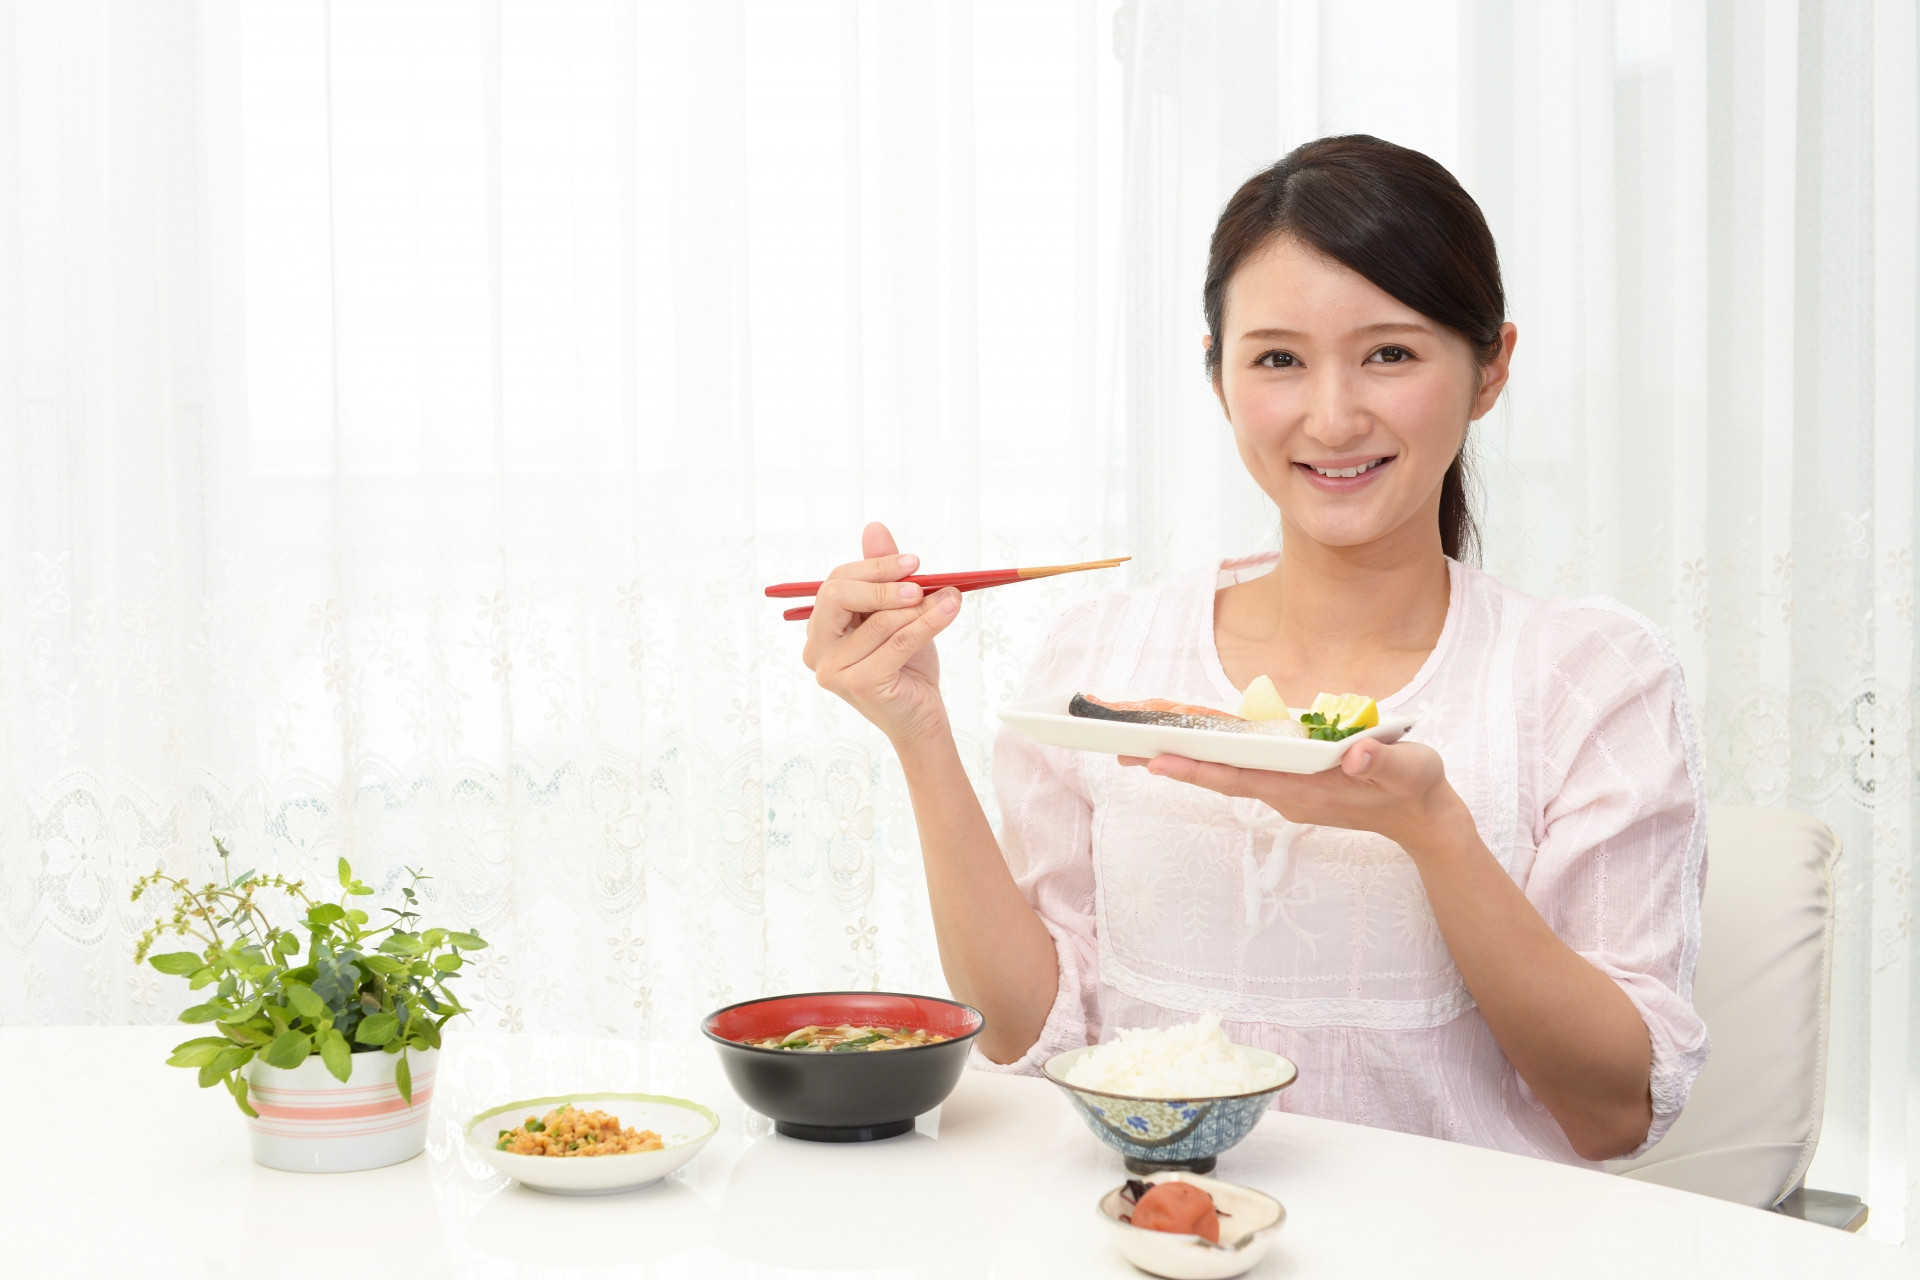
{"x":843,"y":602}
{"x":884,"y":568}
{"x":852,"y":592}
{"x":872,"y":654}
{"x":1224,"y":778}
{"x":1397,"y":768}
{"x":939,"y":610}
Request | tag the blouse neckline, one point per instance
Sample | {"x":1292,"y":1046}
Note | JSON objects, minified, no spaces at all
{"x":1208,"y":646}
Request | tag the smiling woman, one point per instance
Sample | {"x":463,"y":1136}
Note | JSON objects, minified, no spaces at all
{"x":1428,"y":291}
{"x":1485,"y":931}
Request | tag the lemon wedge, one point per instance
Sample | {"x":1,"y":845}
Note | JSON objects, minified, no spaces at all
{"x":1349,"y":711}
{"x":1262,"y":701}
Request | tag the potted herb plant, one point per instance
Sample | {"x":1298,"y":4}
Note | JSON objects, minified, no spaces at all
{"x":327,"y":1027}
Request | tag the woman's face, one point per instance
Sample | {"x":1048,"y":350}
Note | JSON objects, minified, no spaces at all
{"x":1347,"y":405}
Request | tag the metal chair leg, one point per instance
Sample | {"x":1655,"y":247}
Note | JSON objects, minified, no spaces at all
{"x":1828,"y":1208}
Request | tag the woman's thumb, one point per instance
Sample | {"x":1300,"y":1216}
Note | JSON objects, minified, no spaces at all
{"x":1374,"y":762}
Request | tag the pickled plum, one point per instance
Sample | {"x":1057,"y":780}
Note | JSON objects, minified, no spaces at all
{"x":1180,"y":1208}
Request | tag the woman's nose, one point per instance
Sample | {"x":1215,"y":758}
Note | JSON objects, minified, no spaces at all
{"x":1334,"y":414}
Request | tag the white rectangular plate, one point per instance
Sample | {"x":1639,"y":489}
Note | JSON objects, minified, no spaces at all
{"x":1045,"y":720}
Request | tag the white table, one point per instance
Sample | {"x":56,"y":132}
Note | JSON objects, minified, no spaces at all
{"x":149,"y":1175}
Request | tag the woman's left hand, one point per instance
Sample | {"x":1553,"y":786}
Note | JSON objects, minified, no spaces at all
{"x":1396,"y":789}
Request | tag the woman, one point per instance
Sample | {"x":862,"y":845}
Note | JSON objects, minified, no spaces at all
{"x":1485,"y":932}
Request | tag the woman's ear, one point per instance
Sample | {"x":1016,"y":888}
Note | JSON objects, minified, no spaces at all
{"x":1493,"y":376}
{"x":1219,"y":391}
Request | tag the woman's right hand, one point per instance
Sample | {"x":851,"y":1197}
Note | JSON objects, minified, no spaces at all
{"x":870,"y":640}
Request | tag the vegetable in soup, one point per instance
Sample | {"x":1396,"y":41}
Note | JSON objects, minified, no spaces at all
{"x":847,"y":1038}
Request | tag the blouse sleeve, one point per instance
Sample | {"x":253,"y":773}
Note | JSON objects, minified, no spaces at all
{"x":1046,"y":836}
{"x":1621,"y":825}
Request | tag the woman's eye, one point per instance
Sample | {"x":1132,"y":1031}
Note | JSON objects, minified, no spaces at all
{"x":1392,"y":355}
{"x":1278,"y":360}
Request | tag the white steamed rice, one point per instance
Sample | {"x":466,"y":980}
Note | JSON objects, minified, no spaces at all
{"x":1192,"y":1060}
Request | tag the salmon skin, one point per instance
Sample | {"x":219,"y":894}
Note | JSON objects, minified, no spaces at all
{"x":1176,"y":715}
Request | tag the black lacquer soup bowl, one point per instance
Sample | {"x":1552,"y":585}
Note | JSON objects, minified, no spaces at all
{"x":843,"y":1097}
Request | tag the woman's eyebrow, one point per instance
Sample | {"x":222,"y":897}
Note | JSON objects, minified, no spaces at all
{"x":1290,"y":335}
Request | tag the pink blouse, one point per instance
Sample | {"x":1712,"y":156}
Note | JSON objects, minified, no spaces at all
{"x":1564,"y":727}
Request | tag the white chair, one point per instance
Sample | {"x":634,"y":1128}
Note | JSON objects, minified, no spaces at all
{"x":1766,"y":958}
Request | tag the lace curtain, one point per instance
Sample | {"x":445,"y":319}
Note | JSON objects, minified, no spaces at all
{"x":406,"y":404}
{"x":401,"y":406}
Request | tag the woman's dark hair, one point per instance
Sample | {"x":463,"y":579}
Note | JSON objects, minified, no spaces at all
{"x":1398,"y":218}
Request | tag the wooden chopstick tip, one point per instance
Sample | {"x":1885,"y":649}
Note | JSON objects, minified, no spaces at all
{"x":1050,"y":570}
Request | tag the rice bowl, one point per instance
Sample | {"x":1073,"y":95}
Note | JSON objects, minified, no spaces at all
{"x":1185,"y":1132}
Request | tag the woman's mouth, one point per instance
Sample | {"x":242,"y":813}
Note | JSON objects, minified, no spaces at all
{"x":1342,"y":474}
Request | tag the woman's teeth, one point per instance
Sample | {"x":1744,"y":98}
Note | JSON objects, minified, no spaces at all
{"x":1347,"y":473}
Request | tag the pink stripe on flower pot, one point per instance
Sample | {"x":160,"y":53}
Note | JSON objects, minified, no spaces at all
{"x":308,"y":1133}
{"x":280,"y":1093}
{"x":351,"y":1111}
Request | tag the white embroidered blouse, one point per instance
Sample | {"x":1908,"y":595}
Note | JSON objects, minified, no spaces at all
{"x":1564,"y":727}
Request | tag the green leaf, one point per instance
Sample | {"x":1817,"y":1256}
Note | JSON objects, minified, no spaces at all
{"x":288,"y":1050}
{"x":254,"y":1033}
{"x":467,"y":941}
{"x":244,"y":1012}
{"x":434,"y":937}
{"x":382,"y":964}
{"x":196,"y":1053}
{"x":357,"y":916}
{"x":419,"y":968}
{"x":202,"y":977}
{"x":403,"y":1078}
{"x":287,"y":944}
{"x":426,"y":1034}
{"x":237,"y":1086}
{"x":378,"y":1029}
{"x":304,"y":1002}
{"x":337,"y":1054}
{"x":401,"y":944}
{"x":325,"y":914}
{"x":179,"y":963}
{"x":346,"y":878}
{"x":228,"y":1059}
{"x":278,"y":1016}
{"x":211,"y":1011}
{"x":447,"y":964}
{"x":359,"y":890}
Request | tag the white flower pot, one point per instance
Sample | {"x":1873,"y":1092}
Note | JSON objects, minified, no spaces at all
{"x":311,"y":1123}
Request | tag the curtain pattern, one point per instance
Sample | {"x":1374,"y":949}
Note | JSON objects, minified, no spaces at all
{"x":406,"y":405}
{"x":401,"y":407}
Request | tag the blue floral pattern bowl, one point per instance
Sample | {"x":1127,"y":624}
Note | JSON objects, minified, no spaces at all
{"x":1152,"y":1134}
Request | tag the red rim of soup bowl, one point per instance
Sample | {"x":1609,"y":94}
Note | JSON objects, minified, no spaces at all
{"x":778,"y":1015}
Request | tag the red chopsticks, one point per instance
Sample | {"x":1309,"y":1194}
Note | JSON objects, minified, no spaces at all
{"x":972,"y":580}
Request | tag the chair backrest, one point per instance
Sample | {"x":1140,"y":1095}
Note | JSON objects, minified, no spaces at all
{"x":1766,"y":956}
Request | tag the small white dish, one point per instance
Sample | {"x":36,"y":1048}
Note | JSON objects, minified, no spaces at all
{"x":684,"y":1126}
{"x":1251,"y":1221}
{"x":1045,"y":720}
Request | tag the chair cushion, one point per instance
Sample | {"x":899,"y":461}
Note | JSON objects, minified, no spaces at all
{"x":1766,"y":939}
